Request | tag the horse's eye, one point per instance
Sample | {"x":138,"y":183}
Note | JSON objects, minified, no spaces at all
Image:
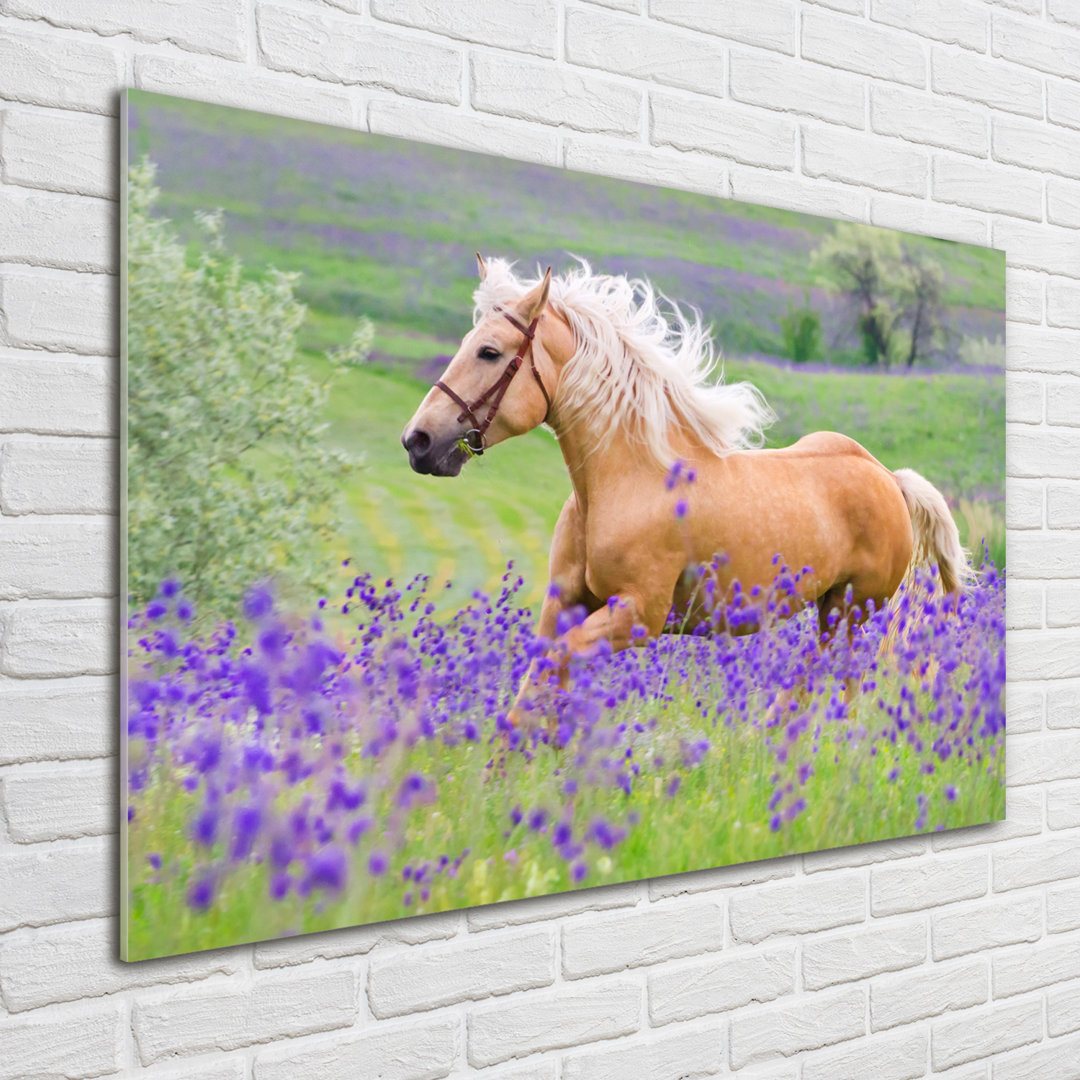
{"x":488,"y":353}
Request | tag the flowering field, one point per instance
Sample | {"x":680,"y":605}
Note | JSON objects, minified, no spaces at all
{"x":290,"y":774}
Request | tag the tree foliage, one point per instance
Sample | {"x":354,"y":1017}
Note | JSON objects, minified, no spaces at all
{"x":800,"y":328}
{"x":229,"y":480}
{"x":894,"y":291}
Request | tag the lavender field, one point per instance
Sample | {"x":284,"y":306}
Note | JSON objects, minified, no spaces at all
{"x":290,"y":775}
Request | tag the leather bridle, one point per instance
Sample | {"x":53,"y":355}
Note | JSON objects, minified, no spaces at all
{"x":474,"y":441}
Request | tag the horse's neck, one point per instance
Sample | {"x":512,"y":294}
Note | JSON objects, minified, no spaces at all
{"x":593,"y":461}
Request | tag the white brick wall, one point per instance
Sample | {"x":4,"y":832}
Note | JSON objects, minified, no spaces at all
{"x":957,"y":957}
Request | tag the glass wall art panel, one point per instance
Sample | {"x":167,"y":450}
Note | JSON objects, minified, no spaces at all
{"x":494,"y":530}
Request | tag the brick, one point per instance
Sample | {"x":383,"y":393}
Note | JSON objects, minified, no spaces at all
{"x":611,"y":942}
{"x":1063,"y":203}
{"x":78,"y":961}
{"x":988,"y":925}
{"x":981,"y":186}
{"x":57,"y":719}
{"x":686,"y":991}
{"x":769,"y":24}
{"x":928,"y":219}
{"x":73,"y":1044}
{"x":864,"y":854}
{"x":840,"y":958}
{"x":1035,"y":146}
{"x":889,"y":1057}
{"x":1050,"y":560}
{"x":924,"y":118}
{"x":417,"y":1050}
{"x":1023,"y":968}
{"x":863,"y":48}
{"x":1036,"y":862}
{"x":356,"y":940}
{"x":528,"y":26}
{"x":62,"y":882}
{"x":56,"y":560}
{"x":516,"y":912}
{"x":46,"y":802}
{"x":820,"y":197}
{"x":214,"y":26}
{"x":345,"y":50}
{"x":416,"y":979}
{"x":53,"y":395}
{"x":1024,"y":401}
{"x":243,"y":1014}
{"x":686,"y":1053}
{"x":1063,"y":908}
{"x":1024,"y":707}
{"x":463,"y":131}
{"x":1063,"y":506}
{"x":975,"y":78}
{"x":1063,"y":299}
{"x":224,"y":82}
{"x":1056,"y":1060}
{"x":782,"y":1030}
{"x":1063,"y":1005}
{"x":553,"y":95}
{"x":1064,"y":11}
{"x":47,"y":639}
{"x":71,"y":232}
{"x":956,"y":23}
{"x":62,"y":151}
{"x":604,"y":1010}
{"x":797,"y":907}
{"x":1059,"y":446}
{"x":1035,"y":348}
{"x":658,"y":54}
{"x":865,"y":160}
{"x":60,"y":310}
{"x":1063,"y":103}
{"x":42,"y":475}
{"x":1043,"y":654}
{"x":983,"y":1032}
{"x":927,"y":991}
{"x":1038,"y":247}
{"x":1024,"y":509}
{"x":1034,"y":759}
{"x":1063,"y":605}
{"x":1024,"y":290}
{"x":1063,"y":706}
{"x":927,"y":882}
{"x":648,"y":164}
{"x":1036,"y":45}
{"x":719,"y":128}
{"x":790,"y":86}
{"x":61,"y":72}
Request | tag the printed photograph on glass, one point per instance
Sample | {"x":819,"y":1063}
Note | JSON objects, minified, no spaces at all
{"x":493,"y":530}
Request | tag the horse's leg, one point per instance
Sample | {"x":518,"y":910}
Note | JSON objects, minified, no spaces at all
{"x":567,"y":590}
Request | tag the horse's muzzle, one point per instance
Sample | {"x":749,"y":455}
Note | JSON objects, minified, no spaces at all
{"x":430,"y":458}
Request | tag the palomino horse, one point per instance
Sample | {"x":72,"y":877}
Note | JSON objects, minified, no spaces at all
{"x":625,"y":386}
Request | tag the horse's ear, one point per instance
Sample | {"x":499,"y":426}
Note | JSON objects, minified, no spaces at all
{"x":533,"y":302}
{"x":481,"y":266}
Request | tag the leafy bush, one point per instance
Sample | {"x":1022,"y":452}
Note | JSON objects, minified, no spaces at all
{"x":228,"y":477}
{"x":801,"y":330}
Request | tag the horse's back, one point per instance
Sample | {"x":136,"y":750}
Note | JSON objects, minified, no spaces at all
{"x":829,"y":444}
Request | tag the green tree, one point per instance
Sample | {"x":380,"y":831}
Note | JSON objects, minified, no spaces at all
{"x":894,"y":293}
{"x":800,"y":328}
{"x":229,"y":480}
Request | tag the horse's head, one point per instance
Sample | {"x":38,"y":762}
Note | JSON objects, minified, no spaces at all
{"x":483,"y":397}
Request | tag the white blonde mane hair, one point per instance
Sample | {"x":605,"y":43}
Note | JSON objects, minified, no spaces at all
{"x":642,"y":365}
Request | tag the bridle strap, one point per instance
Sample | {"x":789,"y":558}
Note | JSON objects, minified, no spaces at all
{"x":498,"y":388}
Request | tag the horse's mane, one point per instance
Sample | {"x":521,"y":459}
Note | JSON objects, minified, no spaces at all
{"x":642,"y":365}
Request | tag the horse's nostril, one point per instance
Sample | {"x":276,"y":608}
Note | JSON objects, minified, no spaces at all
{"x":418,"y":443}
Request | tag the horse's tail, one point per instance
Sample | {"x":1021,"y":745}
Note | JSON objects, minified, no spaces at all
{"x":937,"y":539}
